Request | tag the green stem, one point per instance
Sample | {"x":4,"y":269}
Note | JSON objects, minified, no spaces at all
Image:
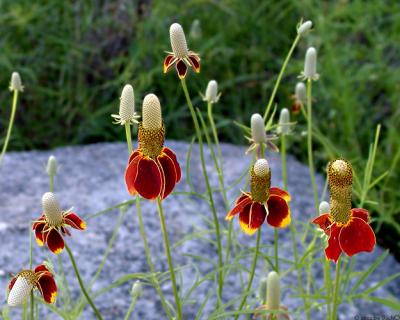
{"x":169,"y":258}
{"x":276,"y":252}
{"x":78,"y":276}
{"x":328,"y":286}
{"x":337,"y":289}
{"x":32,"y":316}
{"x":131,"y":308}
{"x":128,"y":137}
{"x":208,"y":186}
{"x":278,"y":80}
{"x":10,"y":124}
{"x":253,"y":269}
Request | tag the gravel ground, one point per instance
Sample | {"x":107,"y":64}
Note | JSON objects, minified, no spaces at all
{"x":91,"y":179}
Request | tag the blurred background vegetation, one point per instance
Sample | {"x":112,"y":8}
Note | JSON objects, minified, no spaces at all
{"x":75,"y":56}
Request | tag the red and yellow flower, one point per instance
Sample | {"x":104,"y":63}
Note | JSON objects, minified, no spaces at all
{"x":153,"y":169}
{"x":262,"y":202}
{"x":52,"y":224}
{"x":25,"y":281}
{"x":180,"y":56}
{"x":348,"y":229}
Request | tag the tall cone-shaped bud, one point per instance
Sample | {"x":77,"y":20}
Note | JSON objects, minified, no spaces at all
{"x":340,"y":179}
{"x":21,"y":288}
{"x":257,"y":128}
{"x":16,"y":83}
{"x":52,"y":210}
{"x":260,"y":181}
{"x":273,"y":291}
{"x":310,"y":64}
{"x":212,"y":95}
{"x":52,"y":166}
{"x":301,"y":92}
{"x":284,"y":122}
{"x":178,"y":41}
{"x":151,"y":132}
{"x":127,"y":104}
{"x":304,"y":27}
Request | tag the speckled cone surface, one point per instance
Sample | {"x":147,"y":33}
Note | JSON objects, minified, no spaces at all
{"x":127,"y":104}
{"x":178,"y":41}
{"x":21,"y":290}
{"x":51,"y":209}
{"x":151,"y":112}
{"x":261,"y":168}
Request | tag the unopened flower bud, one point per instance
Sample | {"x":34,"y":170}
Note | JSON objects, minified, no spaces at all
{"x":178,"y":41}
{"x":195,"y":29}
{"x":151,"y":112}
{"x":324,"y":207}
{"x":20,"y":290}
{"x":257,"y":128}
{"x":261,"y":168}
{"x":263,"y":289}
{"x":16,"y":83}
{"x":284,"y":122}
{"x":127,"y":104}
{"x":301,"y":92}
{"x":52,"y":166}
{"x":212,"y":95}
{"x":310,"y":64}
{"x":304,"y":27}
{"x":51,"y":209}
{"x":273,"y":291}
{"x":136,"y":290}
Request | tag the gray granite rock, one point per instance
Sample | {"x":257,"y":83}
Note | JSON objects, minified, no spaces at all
{"x":91,"y":179}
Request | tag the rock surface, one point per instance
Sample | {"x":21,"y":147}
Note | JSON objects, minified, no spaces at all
{"x":91,"y":179}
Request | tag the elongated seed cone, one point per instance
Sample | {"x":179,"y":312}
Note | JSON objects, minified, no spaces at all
{"x":261,"y":168}
{"x":301,"y":92}
{"x":212,"y":91}
{"x":16,"y":83}
{"x":284,"y":122}
{"x":273,"y":291}
{"x":51,"y":209}
{"x":257,"y":128}
{"x":127,"y":104}
{"x":310,"y":64}
{"x":178,"y":41}
{"x":260,"y":181}
{"x":20,"y":291}
{"x":340,"y":173}
{"x":52,"y":166}
{"x":304,"y":27}
{"x":151,"y":112}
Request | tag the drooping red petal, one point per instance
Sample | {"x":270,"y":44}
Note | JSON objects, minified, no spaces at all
{"x":47,"y":287}
{"x":169,"y":173}
{"x":257,"y":215}
{"x":131,"y":173}
{"x":40,"y":234}
{"x":134,"y":154}
{"x":356,"y":237}
{"x":41,"y":268}
{"x":172,"y":155}
{"x":241,"y":202}
{"x":244,"y":219}
{"x":148,"y":182}
{"x":74,"y":221}
{"x":324,"y":222}
{"x":195,"y":62}
{"x":65,"y":231}
{"x":333,"y":249}
{"x":55,"y":242}
{"x":38,"y":221}
{"x":168,"y":62}
{"x":12,"y":281}
{"x":360,"y":213}
{"x":181,"y":68}
{"x":278,"y":212}
{"x":279,"y":192}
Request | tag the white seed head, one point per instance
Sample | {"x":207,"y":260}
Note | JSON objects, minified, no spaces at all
{"x":301,"y":92}
{"x":52,"y":166}
{"x":16,"y":83}
{"x":195,"y":29}
{"x":151,"y":112}
{"x":261,"y":168}
{"x":136,"y":290}
{"x":127,"y":105}
{"x":263,"y":289}
{"x":284,"y":122}
{"x":257,"y":128}
{"x":19,"y":292}
{"x":324,"y":207}
{"x":273,"y":291}
{"x":304,"y":27}
{"x":212,"y":95}
{"x":310,"y":64}
{"x":51,"y":208}
{"x":178,"y":41}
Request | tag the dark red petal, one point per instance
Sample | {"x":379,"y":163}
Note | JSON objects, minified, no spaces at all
{"x":74,"y":221}
{"x":134,"y":154}
{"x":168,"y":171}
{"x":12,"y":281}
{"x":324,"y":222}
{"x":55,"y":241}
{"x":257,"y":215}
{"x":278,"y":212}
{"x":356,"y":237}
{"x":333,"y":249}
{"x":172,"y":155}
{"x":181,"y":68}
{"x":168,"y":62}
{"x":47,"y":287}
{"x":244,"y":201}
{"x":148,"y":182}
{"x":244,"y":219}
{"x":39,"y":234}
{"x":38,"y":221}
{"x":360,"y":213}
{"x":64,"y":231}
{"x":279,"y":192}
{"x":195,"y":62}
{"x":41,"y":267}
{"x":131,"y":174}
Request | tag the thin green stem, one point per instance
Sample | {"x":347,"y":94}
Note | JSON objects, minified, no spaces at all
{"x":169,"y":258}
{"x":10,"y":125}
{"x":283,"y":161}
{"x":336,"y":292}
{"x":78,"y":276}
{"x":278,"y":80}
{"x":128,"y":137}
{"x":276,"y":250}
{"x":208,"y":186}
{"x":252,"y":272}
{"x":328,"y":286}
{"x":32,"y":315}
{"x":131,"y":308}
